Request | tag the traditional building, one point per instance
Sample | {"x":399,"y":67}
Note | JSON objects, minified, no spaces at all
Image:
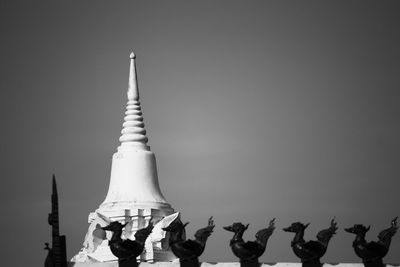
{"x":134,"y":193}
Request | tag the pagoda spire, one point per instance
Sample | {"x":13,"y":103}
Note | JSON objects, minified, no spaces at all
{"x":133,"y":91}
{"x":134,"y":196}
{"x":133,"y":131}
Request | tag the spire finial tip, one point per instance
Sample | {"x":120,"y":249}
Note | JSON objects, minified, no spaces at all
{"x":132,"y":55}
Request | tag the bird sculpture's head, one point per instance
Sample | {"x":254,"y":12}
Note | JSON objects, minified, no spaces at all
{"x":296,"y":227}
{"x":236,"y":227}
{"x":114,"y":226}
{"x":175,"y":226}
{"x":358,"y":229}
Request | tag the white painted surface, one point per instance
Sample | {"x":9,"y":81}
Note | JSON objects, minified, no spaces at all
{"x":134,"y":194}
{"x":134,"y":179}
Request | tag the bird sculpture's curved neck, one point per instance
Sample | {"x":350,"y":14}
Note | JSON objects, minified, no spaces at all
{"x":299,"y":236}
{"x":238,"y":236}
{"x":360,"y":238}
{"x":177,"y":236}
{"x":116,"y":236}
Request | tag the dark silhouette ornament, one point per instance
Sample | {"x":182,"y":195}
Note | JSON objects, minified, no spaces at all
{"x":127,"y":250}
{"x":310,"y":252}
{"x":187,"y":250}
{"x":372,"y":252}
{"x":57,"y":254}
{"x":249,"y":252}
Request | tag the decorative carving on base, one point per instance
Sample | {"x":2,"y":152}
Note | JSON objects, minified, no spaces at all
{"x":96,"y":249}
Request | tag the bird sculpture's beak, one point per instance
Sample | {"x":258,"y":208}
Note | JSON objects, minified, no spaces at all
{"x":349,"y":230}
{"x":287,"y":229}
{"x":105,"y":228}
{"x":228,"y":228}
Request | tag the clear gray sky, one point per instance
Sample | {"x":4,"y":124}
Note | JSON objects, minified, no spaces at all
{"x":254,"y":109}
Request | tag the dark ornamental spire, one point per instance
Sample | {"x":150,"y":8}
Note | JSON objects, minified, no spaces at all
{"x":57,"y":256}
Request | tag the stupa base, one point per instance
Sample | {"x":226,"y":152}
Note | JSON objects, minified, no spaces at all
{"x":95,"y":247}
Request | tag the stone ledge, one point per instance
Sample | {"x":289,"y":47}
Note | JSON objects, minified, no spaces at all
{"x":216,"y":264}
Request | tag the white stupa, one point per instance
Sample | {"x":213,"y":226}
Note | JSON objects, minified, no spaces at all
{"x":134,"y":193}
